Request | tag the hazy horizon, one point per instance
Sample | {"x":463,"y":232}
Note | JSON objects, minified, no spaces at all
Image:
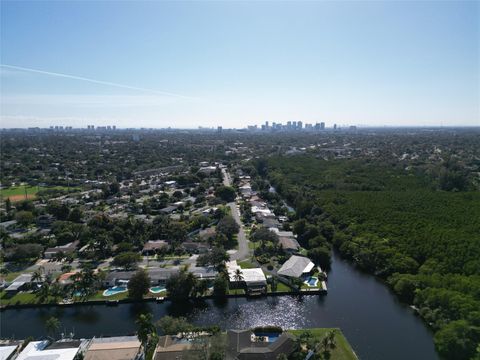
{"x":190,"y":64}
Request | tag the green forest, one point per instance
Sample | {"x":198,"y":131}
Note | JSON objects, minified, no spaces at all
{"x":398,"y":224}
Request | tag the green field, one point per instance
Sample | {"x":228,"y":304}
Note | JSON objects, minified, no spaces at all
{"x":17,"y":193}
{"x":342,"y":351}
{"x":19,"y":190}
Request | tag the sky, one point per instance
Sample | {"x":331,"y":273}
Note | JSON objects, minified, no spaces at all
{"x":188,"y":64}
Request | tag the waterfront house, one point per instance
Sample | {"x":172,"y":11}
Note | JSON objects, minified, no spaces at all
{"x":114,"y":348}
{"x":253,"y":280}
{"x":60,"y":350}
{"x":173,"y":348}
{"x":158,"y":276}
{"x":242,"y":345}
{"x":8,"y":350}
{"x":19,"y":283}
{"x":296,"y":267}
{"x":204,"y":273}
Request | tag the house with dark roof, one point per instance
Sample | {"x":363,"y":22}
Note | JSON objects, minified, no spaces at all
{"x":244,"y":345}
{"x":153,"y":247}
{"x":63,"y":249}
{"x":289,"y":244}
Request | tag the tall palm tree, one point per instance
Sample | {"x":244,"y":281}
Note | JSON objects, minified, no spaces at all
{"x":238,"y":276}
{"x":37,"y":275}
{"x":146,"y":330}
{"x":274,"y":284}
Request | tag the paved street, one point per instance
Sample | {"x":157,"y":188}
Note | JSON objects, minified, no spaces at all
{"x":243,"y":250}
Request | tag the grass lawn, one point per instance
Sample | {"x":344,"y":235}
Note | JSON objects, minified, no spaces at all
{"x":236,"y":292}
{"x":246,"y":264}
{"x":282,"y":287}
{"x":19,"y":298}
{"x":251,"y":245}
{"x":99,"y":296}
{"x":12,"y":275}
{"x":343,"y":350}
{"x":17,"y":193}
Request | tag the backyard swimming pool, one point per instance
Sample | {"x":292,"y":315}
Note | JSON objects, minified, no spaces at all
{"x":312,"y":281}
{"x":157,"y":289}
{"x":115,"y":290}
{"x":270,"y":336}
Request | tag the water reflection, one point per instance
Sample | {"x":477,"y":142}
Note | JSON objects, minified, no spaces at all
{"x":377,"y":326}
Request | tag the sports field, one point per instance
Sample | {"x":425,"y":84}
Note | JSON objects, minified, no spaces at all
{"x":21,"y":192}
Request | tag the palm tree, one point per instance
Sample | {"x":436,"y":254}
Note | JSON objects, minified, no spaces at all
{"x":43,"y":292}
{"x":238,"y":277}
{"x":52,"y":325}
{"x":37,"y":275}
{"x":273,"y":285}
{"x":146,"y":330}
{"x":331,"y":338}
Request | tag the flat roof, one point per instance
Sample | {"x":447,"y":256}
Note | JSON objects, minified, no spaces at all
{"x":37,"y":350}
{"x":7,"y":351}
{"x":115,"y":348}
{"x":249,"y":275}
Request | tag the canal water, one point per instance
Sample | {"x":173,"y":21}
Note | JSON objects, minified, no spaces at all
{"x":377,"y":326}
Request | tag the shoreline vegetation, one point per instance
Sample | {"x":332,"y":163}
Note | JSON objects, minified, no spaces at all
{"x":415,"y":229}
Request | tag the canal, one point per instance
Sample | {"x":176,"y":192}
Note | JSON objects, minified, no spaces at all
{"x":375,"y":323}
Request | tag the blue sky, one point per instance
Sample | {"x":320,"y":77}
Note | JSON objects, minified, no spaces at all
{"x":185,"y":64}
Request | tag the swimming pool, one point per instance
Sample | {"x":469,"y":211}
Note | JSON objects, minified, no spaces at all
{"x":115,"y":290}
{"x":270,"y":336}
{"x":312,"y":281}
{"x":157,"y":289}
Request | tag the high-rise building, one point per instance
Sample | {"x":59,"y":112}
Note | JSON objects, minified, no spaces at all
{"x":334,"y":126}
{"x":322,"y":126}
{"x":299,"y":125}
{"x":289,"y":125}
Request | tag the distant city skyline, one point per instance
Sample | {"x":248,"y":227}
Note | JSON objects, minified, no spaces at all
{"x":235,"y":64}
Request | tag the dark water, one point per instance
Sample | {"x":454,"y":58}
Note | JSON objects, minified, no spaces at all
{"x":377,"y":326}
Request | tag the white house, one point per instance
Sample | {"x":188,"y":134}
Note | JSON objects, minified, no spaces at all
{"x":296,"y":267}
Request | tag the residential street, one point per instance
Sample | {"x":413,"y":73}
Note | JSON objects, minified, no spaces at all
{"x":243,"y":250}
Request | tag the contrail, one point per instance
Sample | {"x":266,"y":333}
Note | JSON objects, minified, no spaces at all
{"x":108,"y":83}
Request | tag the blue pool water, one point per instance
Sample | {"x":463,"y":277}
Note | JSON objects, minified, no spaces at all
{"x":157,"y":289}
{"x":312,"y":281}
{"x":114,"y":290}
{"x":272,"y":337}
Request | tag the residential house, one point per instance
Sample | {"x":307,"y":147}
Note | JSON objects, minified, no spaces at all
{"x":242,"y":345}
{"x":114,"y":348}
{"x":193,"y":247}
{"x":296,"y":267}
{"x":8,"y":350}
{"x":253,"y":280}
{"x":60,"y":350}
{"x":173,"y":348}
{"x":19,"y":283}
{"x":153,"y":247}
{"x":64,"y":249}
